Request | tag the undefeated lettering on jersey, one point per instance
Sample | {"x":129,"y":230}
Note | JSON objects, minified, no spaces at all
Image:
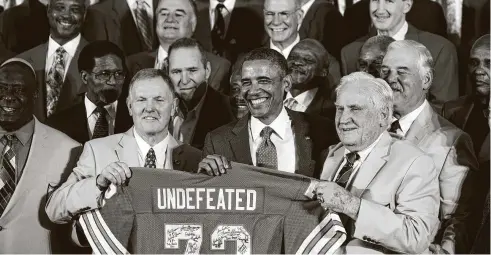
{"x":248,"y":210}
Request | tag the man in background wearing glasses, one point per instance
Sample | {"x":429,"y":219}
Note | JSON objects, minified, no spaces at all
{"x":102,"y":69}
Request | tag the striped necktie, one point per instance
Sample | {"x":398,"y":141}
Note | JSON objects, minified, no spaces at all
{"x":7,"y":172}
{"x":347,"y":170}
{"x":144,"y":23}
{"x":54,"y":80}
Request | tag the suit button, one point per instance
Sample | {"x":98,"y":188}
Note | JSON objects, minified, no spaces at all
{"x":1,"y":228}
{"x":365,"y":238}
{"x":177,"y":162}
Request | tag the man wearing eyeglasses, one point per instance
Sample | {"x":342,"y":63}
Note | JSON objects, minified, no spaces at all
{"x":98,"y":114}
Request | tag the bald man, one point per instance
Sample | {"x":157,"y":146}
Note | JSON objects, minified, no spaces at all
{"x":308,"y":68}
{"x":372,"y":54}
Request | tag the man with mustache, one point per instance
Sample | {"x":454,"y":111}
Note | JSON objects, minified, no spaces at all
{"x":55,"y":61}
{"x":35,"y":159}
{"x":308,"y":65}
{"x":372,"y":54}
{"x":270,"y":136}
{"x":98,"y":114}
{"x":407,"y":68}
{"x":389,"y":18}
{"x":237,"y":102}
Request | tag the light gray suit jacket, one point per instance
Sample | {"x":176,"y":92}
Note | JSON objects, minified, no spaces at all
{"x":25,"y":226}
{"x":453,"y":154}
{"x":398,"y":187}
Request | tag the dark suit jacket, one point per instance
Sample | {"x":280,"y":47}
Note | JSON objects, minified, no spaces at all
{"x":323,"y":103}
{"x":312,"y":135}
{"x":445,"y":85}
{"x":324,"y":23}
{"x":245,"y":31}
{"x":424,"y":14}
{"x":73,"y":121}
{"x":220,"y":68}
{"x":72,"y":86}
{"x":22,"y":27}
{"x":113,"y":21}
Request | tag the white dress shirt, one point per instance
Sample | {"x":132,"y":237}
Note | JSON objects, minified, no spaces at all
{"x":406,"y":121}
{"x":285,"y":52}
{"x":70,"y":47}
{"x":161,"y":56}
{"x":282,"y":138}
{"x":303,"y":100}
{"x":148,"y":7}
{"x":226,"y":12}
{"x":160,"y":150}
{"x":305,"y":8}
{"x":401,"y":34}
{"x":93,"y":116}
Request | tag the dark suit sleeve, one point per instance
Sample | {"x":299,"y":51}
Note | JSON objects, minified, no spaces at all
{"x":445,"y":85}
{"x":208,"y":146}
{"x":95,"y":28}
{"x":5,"y":53}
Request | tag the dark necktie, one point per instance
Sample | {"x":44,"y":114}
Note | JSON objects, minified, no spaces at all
{"x":394,"y":127}
{"x":150,"y":159}
{"x":7,"y":172}
{"x":347,"y":170}
{"x":144,"y":24}
{"x":218,"y":31}
{"x":101,"y":128}
{"x":266,"y":152}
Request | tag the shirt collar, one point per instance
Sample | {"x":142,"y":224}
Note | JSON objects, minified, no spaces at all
{"x":306,"y":7}
{"x":144,"y":146}
{"x":229,"y":5}
{"x":70,"y":47}
{"x":406,"y":121}
{"x":162,"y":54}
{"x":23,"y":134}
{"x":401,"y":34}
{"x":364,"y":153}
{"x":287,"y":50}
{"x":279,"y":125}
{"x":304,"y":98}
{"x":110,"y":108}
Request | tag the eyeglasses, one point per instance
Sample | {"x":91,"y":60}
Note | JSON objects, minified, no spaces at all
{"x":284,"y":15}
{"x":106,"y":75}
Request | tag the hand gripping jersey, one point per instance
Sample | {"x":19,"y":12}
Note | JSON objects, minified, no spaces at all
{"x":246,"y":211}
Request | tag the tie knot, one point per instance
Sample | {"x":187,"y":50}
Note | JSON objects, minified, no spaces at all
{"x":60,"y":51}
{"x":220,"y":7}
{"x":266,"y":132}
{"x":101,"y":110}
{"x":151,"y":152}
{"x":394,"y":126}
{"x":352,"y":157}
{"x":140,"y":3}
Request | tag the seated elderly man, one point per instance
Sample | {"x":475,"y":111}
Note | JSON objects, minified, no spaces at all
{"x":308,"y":65}
{"x":385,"y":189}
{"x":372,"y":54}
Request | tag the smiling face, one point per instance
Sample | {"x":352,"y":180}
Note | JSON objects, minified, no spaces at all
{"x":281,"y":20}
{"x":479,"y":70}
{"x":239,"y":105}
{"x":66,"y":18}
{"x":263,"y":89}
{"x":303,"y":66}
{"x":370,"y":60}
{"x":175,"y":20}
{"x":389,"y":15}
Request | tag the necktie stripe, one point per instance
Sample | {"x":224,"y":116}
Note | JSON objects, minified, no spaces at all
{"x":7,"y":172}
{"x":143,"y":21}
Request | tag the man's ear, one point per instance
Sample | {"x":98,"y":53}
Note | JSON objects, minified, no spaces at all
{"x":208,"y":70}
{"x":299,"y":14}
{"x":384,"y":114}
{"x":427,"y":80}
{"x":84,"y":76}
{"x":175,"y":105}
{"x":408,"y":4}
{"x":128,"y":104}
{"x":287,"y":83}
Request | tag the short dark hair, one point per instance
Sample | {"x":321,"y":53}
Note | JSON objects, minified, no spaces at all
{"x":272,"y":56}
{"x":150,"y":73}
{"x":189,"y":43}
{"x":98,"y":49}
{"x":381,"y":41}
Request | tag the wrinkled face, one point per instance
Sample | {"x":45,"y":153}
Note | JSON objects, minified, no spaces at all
{"x":281,"y":19}
{"x":263,"y":89}
{"x":358,"y":121}
{"x":66,"y":17}
{"x":479,"y":70}
{"x":388,"y":14}
{"x":370,"y":60}
{"x":17,"y":86}
{"x":187,"y":71}
{"x":150,"y":104}
{"x":106,"y":80}
{"x":400,"y":71}
{"x":175,"y":20}
{"x":239,"y":105}
{"x":303,"y":65}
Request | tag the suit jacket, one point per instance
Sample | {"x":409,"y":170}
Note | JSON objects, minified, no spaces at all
{"x":323,"y":103}
{"x":72,"y":85}
{"x":113,"y":21}
{"x":312,"y":135}
{"x":452,"y":153}
{"x":445,"y":85}
{"x":324,"y":22}
{"x":426,"y":15}
{"x":25,"y":226}
{"x":14,"y":22}
{"x":80,"y":193}
{"x":220,"y":68}
{"x":245,"y":30}
{"x":398,"y":187}
{"x":73,"y":121}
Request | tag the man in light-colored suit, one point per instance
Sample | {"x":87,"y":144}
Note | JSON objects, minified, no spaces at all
{"x":35,"y":159}
{"x":106,"y":161}
{"x":55,"y":61}
{"x":407,"y":67}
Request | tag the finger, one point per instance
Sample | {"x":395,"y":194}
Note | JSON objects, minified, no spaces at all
{"x":226,"y":162}
{"x":204,"y":167}
{"x":219,"y":162}
{"x":111,"y":178}
{"x":127,"y":170}
{"x":121,"y":173}
{"x":212,"y":164}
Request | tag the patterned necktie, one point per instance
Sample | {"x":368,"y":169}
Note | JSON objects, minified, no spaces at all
{"x":54,"y":80}
{"x":144,"y":24}
{"x":218,"y":31}
{"x":394,"y":127}
{"x":162,"y":65}
{"x":101,"y":128}
{"x":266,"y":152}
{"x":347,"y":169}
{"x":7,"y":172}
{"x":150,"y":159}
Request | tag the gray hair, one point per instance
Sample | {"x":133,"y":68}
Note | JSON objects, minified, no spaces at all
{"x":150,"y":73}
{"x":381,"y":94}
{"x":425,"y":60}
{"x":298,"y":5}
{"x":482,"y":41}
{"x":381,"y":41}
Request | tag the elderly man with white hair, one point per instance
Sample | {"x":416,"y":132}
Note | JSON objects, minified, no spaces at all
{"x":384,"y":188}
{"x":407,"y":68}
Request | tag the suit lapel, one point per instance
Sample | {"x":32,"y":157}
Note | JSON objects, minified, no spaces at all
{"x":203,"y":27}
{"x":303,"y":145}
{"x":420,"y":126}
{"x":80,"y":121}
{"x":73,"y":83}
{"x":469,"y":108}
{"x":306,"y":23}
{"x":412,"y":33}
{"x":127,"y":149}
{"x":38,"y":60}
{"x":332,"y":162}
{"x":239,"y":143}
{"x":172,"y":144}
